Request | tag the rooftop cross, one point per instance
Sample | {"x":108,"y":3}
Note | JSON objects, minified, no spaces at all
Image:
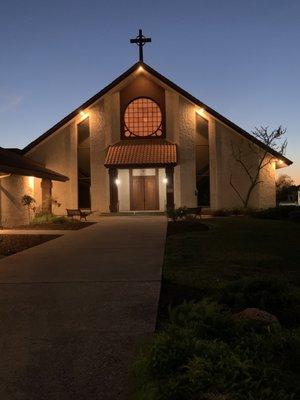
{"x":140,"y":40}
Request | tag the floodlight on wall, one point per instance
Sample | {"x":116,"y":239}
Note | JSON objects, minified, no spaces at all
{"x":83,"y":114}
{"x":200,"y":111}
{"x":165,"y":181}
{"x":117,"y":182}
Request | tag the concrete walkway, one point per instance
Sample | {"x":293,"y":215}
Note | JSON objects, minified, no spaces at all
{"x":73,"y":310}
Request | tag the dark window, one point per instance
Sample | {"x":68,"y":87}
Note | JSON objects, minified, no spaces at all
{"x":84,"y":165}
{"x":143,"y":118}
{"x":202,"y":161}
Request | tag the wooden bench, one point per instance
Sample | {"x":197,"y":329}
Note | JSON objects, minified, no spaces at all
{"x":77,"y":213}
{"x":195,"y":211}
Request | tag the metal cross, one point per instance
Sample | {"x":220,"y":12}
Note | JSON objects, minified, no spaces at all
{"x":140,"y":40}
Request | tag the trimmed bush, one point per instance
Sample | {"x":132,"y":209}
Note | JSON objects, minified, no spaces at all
{"x":204,"y":354}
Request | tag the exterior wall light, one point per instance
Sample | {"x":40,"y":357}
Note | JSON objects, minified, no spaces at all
{"x":165,"y":180}
{"x":83,"y":114}
{"x":200,"y":111}
{"x":117,"y":182}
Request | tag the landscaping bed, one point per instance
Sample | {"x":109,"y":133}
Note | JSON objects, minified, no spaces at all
{"x":11,"y":244}
{"x":54,"y":222}
{"x":66,"y":225}
{"x":229,"y":315}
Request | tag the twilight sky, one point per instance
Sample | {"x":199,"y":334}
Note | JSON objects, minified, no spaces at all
{"x":240,"y":57}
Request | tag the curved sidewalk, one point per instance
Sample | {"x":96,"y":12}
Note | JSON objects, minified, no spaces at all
{"x":74,"y":309}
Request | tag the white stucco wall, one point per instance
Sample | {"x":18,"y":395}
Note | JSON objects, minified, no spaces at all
{"x":59,"y":153}
{"x":12,"y":189}
{"x":187,"y":154}
{"x":227,"y":167}
{"x":124,"y":190}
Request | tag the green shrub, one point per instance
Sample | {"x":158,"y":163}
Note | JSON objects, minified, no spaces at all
{"x":221,"y":213}
{"x":272,"y":295}
{"x":193,"y":359}
{"x":42,"y":218}
{"x":227,"y":212}
{"x":176,"y":213}
{"x":278,"y":213}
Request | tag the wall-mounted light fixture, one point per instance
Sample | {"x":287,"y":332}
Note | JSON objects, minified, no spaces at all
{"x":200,"y":111}
{"x":117,"y":182}
{"x":165,"y":180}
{"x":83,"y":114}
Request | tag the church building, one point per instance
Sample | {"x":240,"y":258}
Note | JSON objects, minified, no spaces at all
{"x":140,"y":144}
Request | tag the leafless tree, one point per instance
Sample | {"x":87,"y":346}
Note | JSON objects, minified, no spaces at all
{"x":253,"y":159}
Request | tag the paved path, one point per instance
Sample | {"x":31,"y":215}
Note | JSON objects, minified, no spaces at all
{"x":73,"y":310}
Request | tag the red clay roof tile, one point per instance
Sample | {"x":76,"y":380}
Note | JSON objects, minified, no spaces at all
{"x":141,"y":152}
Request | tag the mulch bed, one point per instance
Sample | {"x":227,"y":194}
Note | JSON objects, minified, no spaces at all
{"x":185,"y":227}
{"x":11,"y":244}
{"x":72,"y":225}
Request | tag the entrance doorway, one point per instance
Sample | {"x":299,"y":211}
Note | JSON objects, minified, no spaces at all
{"x":144,"y":190}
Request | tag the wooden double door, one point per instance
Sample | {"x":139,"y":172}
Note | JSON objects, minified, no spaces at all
{"x":144,"y":192}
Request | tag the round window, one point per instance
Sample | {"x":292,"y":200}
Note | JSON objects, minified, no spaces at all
{"x":143,"y":118}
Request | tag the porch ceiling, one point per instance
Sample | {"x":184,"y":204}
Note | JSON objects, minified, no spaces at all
{"x":137,"y":153}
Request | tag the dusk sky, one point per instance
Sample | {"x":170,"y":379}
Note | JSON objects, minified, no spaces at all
{"x":242,"y":58}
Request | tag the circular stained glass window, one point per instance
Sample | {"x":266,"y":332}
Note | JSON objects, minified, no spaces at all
{"x":143,"y":118}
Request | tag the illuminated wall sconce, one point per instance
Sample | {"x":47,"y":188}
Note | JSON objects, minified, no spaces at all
{"x":165,"y":181}
{"x":200,"y":111}
{"x":83,"y":114}
{"x":117,"y":182}
{"x":140,"y":69}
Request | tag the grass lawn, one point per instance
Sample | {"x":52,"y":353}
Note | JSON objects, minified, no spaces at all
{"x":198,"y":263}
{"x":205,"y":348}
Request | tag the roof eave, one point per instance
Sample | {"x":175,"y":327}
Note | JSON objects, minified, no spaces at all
{"x":36,"y":174}
{"x":168,"y":82}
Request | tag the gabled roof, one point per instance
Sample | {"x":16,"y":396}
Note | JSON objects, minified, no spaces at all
{"x":14,"y":163}
{"x":169,"y":83}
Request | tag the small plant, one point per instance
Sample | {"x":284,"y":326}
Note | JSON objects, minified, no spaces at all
{"x":28,"y":202}
{"x":44,"y":218}
{"x":55,"y":202}
{"x":176,"y":213}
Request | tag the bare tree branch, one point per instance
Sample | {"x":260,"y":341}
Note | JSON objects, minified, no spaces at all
{"x":253,"y":171}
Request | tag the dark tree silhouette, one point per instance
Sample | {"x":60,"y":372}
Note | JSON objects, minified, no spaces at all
{"x":261,"y":156}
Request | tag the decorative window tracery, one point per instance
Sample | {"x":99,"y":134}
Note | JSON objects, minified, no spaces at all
{"x":143,"y":118}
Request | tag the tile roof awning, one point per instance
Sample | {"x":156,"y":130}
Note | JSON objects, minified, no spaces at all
{"x":137,"y":153}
